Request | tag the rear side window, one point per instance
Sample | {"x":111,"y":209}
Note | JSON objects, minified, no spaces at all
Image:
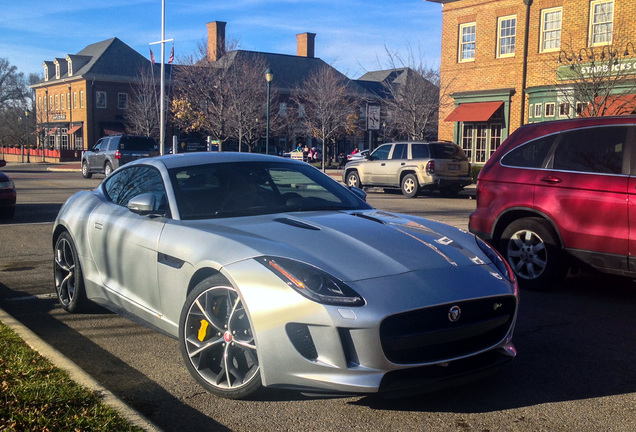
{"x":447,"y":151}
{"x":400,"y":151}
{"x":420,"y":151}
{"x":594,"y":150}
{"x":137,"y":143}
{"x":530,"y":155}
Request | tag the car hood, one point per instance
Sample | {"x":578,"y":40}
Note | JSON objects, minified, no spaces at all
{"x":351,"y":245}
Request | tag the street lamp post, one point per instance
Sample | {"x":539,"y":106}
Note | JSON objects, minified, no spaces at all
{"x":269,"y":76}
{"x":26,"y":122}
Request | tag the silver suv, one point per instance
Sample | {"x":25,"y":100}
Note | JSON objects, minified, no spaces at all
{"x":412,"y":167}
{"x":111,"y":152}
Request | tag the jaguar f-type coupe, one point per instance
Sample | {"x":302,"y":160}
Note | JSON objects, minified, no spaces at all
{"x":272,"y":274}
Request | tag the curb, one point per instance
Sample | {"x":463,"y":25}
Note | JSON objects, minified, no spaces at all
{"x":76,"y":373}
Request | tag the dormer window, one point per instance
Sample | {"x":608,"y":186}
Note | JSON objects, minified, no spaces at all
{"x":46,"y":73}
{"x":57,"y":70}
{"x":70,"y":67}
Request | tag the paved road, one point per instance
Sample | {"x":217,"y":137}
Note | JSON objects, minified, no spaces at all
{"x":575,"y":369}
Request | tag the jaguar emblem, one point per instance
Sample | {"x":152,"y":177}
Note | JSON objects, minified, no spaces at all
{"x":454,"y":313}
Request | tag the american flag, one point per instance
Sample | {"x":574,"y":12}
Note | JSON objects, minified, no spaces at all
{"x":152,"y":57}
{"x":171,"y":59}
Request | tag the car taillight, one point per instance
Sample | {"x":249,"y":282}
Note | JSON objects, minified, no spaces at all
{"x":430,"y":167}
{"x":117,"y":154}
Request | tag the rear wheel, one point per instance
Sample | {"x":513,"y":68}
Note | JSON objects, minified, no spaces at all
{"x":108,"y":169}
{"x":217,"y":340}
{"x":533,"y":250}
{"x":410,"y":186}
{"x":69,"y":280}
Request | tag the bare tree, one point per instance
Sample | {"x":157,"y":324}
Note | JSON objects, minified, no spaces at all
{"x":325,"y":103}
{"x":13,"y":86}
{"x":142,"y":114}
{"x":598,"y":81}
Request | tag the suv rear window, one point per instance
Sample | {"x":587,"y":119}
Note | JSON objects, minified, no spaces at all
{"x":592,"y":150}
{"x":420,"y":151}
{"x":137,"y":143}
{"x":447,"y":151}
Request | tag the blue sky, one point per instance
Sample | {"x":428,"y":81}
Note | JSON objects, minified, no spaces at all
{"x":351,"y":35}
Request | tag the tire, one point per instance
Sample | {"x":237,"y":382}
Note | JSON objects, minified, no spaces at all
{"x":217,"y":341}
{"x":353,"y":179}
{"x":533,"y":250}
{"x":85,"y":172}
{"x":69,"y":279}
{"x":108,"y":169}
{"x":410,"y":186}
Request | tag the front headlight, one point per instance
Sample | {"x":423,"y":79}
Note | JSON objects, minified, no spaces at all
{"x":497,"y":260}
{"x":312,"y":282}
{"x":7,"y":185}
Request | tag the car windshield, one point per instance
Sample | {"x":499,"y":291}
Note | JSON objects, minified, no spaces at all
{"x":447,"y":151}
{"x":251,"y":188}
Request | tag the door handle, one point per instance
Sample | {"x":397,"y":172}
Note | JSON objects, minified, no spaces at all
{"x":551,"y":180}
{"x":382,"y":164}
{"x":99,"y":226}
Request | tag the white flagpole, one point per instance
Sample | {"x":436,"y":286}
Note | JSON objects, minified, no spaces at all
{"x":162,"y":115}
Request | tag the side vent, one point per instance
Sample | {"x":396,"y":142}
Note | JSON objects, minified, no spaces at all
{"x":300,"y":337}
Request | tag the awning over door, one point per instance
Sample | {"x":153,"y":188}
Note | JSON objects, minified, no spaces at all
{"x":474,"y":112}
{"x":74,"y":129}
{"x":53,"y":131}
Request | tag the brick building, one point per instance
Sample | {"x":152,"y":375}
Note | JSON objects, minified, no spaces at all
{"x":505,"y":63}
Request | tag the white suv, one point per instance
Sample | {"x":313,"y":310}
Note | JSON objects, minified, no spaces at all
{"x":412,"y":167}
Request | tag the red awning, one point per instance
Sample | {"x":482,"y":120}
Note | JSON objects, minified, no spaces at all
{"x":74,"y":129}
{"x":113,"y":131}
{"x":474,"y":112}
{"x":52,"y":131}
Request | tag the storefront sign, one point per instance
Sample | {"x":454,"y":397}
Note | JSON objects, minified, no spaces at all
{"x":576,"y":71}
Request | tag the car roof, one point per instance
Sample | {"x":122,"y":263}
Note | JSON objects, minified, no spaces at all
{"x":201,"y":158}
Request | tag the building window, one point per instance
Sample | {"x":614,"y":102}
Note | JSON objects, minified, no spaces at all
{"x":549,"y":109}
{"x":74,"y":100}
{"x":40,"y":103}
{"x":282,"y":109}
{"x":63,"y":103}
{"x":100,"y":99}
{"x":467,"y":33}
{"x":495,"y":137}
{"x":64,"y":139}
{"x":481,"y":139}
{"x":68,"y":100}
{"x":81,"y":98}
{"x":301,"y":111}
{"x":538,"y":110}
{"x":467,"y":140}
{"x":51,"y":104}
{"x":580,"y":107}
{"x":551,"y":29}
{"x":70,"y":68}
{"x":57,"y":70}
{"x":564,"y":109}
{"x":601,"y":22}
{"x":507,"y":35}
{"x":122,"y":101}
{"x":57,"y":102}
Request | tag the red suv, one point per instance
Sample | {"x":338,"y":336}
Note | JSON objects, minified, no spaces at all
{"x":561,"y":193}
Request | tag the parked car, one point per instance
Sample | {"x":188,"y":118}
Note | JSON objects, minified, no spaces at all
{"x":111,"y":152}
{"x":412,"y":167}
{"x":361,"y":155}
{"x":270,"y":273}
{"x":7,"y":194}
{"x":561,"y":193}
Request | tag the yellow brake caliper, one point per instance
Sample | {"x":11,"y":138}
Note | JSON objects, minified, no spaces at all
{"x":203,"y":330}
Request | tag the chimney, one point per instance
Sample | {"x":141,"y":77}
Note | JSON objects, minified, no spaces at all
{"x":305,"y":44}
{"x":216,"y":40}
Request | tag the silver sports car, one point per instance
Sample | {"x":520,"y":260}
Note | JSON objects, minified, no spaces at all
{"x":271,"y":274}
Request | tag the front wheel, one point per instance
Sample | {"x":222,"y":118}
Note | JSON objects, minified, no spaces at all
{"x":69,"y":280}
{"x":217,"y":340}
{"x":533,"y":250}
{"x":410,"y":186}
{"x":353,"y":179}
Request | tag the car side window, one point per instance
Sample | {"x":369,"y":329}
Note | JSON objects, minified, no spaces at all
{"x":400,"y":151}
{"x":113,"y":144}
{"x":127,"y":183}
{"x":98,"y":145}
{"x":592,"y":150}
{"x":381,"y":153}
{"x":531,"y":154}
{"x":420,"y":151}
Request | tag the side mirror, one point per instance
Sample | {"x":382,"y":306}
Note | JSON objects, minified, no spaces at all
{"x":143,"y":204}
{"x":359,"y":193}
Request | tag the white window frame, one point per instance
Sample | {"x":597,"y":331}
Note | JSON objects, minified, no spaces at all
{"x":530,"y":110}
{"x":57,"y":70}
{"x":510,"y":36}
{"x":549,"y":109}
{"x":562,"y":111}
{"x":81,"y":98}
{"x":282,"y":109}
{"x":462,"y":44}
{"x":595,"y":25}
{"x":122,"y":101}
{"x":538,"y":110}
{"x":545,"y":15}
{"x":101,"y":100}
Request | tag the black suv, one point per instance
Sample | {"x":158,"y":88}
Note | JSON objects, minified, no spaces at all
{"x":111,"y":152}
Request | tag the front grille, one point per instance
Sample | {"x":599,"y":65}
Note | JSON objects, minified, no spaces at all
{"x":428,"y":335}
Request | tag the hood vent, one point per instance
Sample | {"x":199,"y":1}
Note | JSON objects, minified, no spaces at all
{"x":371,"y":218}
{"x":297,"y":223}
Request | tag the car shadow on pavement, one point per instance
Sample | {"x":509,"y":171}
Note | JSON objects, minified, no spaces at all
{"x":574,"y":343}
{"x":43,"y":317}
{"x":33,"y":213}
